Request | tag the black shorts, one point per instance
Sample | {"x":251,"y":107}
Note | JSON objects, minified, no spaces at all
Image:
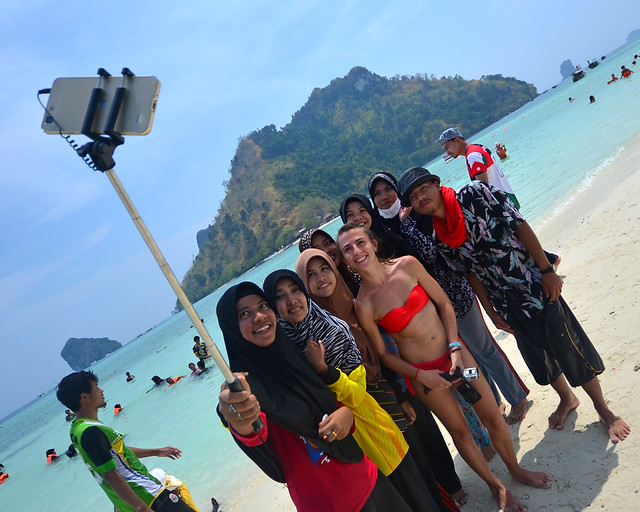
{"x":553,"y":342}
{"x":170,"y":501}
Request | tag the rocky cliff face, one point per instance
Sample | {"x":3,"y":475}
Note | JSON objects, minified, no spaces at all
{"x":79,"y":353}
{"x":566,"y":68}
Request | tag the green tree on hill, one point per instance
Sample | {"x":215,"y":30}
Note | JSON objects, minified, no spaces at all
{"x":285,"y":180}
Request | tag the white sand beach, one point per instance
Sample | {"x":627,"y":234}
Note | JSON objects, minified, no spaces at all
{"x":596,"y":236}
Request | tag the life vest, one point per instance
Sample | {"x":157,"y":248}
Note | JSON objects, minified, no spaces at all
{"x":51,"y":458}
{"x":3,"y":477}
{"x":626,"y":73}
{"x":116,"y":410}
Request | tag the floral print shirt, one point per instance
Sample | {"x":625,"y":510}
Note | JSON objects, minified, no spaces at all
{"x":494,"y":253}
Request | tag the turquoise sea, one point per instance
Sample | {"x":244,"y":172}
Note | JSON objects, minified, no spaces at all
{"x":555,"y":149}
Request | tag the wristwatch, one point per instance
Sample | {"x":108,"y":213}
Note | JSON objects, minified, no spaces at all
{"x":550,"y":268}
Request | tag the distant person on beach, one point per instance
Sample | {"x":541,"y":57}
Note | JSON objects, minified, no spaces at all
{"x":130,"y":377}
{"x":614,"y":78}
{"x":3,"y":474}
{"x":305,"y":437}
{"x":157,"y":381}
{"x":51,"y":455}
{"x":480,"y":162}
{"x":479,"y":231}
{"x":201,"y":366}
{"x":200,"y":349}
{"x":194,"y":370}
{"x":625,"y":72}
{"x":116,"y":467}
{"x":117,"y":409}
{"x":570,"y":98}
{"x":482,"y":167}
{"x":592,"y":99}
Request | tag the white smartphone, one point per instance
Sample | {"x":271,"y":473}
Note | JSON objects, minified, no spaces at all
{"x":69,"y":100}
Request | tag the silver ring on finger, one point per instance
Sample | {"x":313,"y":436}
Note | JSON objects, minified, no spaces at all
{"x":232,"y":408}
{"x":239,"y":415}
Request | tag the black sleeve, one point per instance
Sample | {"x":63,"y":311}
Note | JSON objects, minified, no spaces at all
{"x":392,"y":379}
{"x":95,"y":443}
{"x":262,"y":455}
{"x":330,"y":377}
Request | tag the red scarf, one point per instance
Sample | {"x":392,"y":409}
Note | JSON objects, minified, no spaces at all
{"x":451,"y":230}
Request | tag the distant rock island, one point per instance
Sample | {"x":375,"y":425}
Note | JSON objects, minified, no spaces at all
{"x":79,"y":353}
{"x":566,"y":68}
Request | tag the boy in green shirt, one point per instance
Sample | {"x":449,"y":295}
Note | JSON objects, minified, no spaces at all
{"x":115,"y":466}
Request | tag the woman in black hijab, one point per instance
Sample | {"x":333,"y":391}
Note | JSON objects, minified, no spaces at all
{"x":357,"y":208}
{"x":305,"y":440}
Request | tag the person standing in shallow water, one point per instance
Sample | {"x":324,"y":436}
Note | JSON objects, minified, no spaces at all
{"x":402,"y":297}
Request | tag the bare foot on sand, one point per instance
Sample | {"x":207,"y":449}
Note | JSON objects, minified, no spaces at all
{"x":517,"y":413}
{"x":508,"y":503}
{"x":558,"y":417}
{"x":533,"y":478}
{"x":459,"y":497}
{"x":488,"y":452}
{"x":616,"y":427}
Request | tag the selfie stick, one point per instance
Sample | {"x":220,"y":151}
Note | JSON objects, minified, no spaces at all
{"x":101,"y":153}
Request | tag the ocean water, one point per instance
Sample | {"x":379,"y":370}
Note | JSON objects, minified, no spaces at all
{"x":555,"y":149}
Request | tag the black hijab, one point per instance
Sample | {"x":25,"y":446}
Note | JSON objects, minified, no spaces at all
{"x":289,"y":391}
{"x":390,"y":244}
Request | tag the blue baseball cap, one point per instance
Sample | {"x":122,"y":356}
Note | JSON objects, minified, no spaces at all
{"x":449,"y":134}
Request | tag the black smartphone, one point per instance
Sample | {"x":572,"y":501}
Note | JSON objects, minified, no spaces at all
{"x":456,"y":375}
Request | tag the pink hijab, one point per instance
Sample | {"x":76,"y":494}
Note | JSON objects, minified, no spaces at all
{"x":341,"y":304}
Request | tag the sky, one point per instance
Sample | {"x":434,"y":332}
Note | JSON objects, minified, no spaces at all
{"x":72,"y":263}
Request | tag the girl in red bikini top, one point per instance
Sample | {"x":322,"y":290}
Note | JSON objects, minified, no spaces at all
{"x":398,"y":318}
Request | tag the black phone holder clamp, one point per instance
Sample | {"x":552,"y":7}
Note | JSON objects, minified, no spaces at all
{"x":101,"y":149}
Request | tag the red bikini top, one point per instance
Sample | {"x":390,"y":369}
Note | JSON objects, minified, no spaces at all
{"x":398,"y":318}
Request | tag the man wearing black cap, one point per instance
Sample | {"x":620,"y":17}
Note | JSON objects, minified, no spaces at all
{"x":383,"y":188}
{"x":479,"y":230}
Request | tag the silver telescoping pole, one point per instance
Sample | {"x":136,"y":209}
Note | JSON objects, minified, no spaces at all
{"x":168,"y":273}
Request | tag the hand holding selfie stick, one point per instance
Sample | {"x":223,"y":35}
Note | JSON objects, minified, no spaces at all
{"x":101,"y":153}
